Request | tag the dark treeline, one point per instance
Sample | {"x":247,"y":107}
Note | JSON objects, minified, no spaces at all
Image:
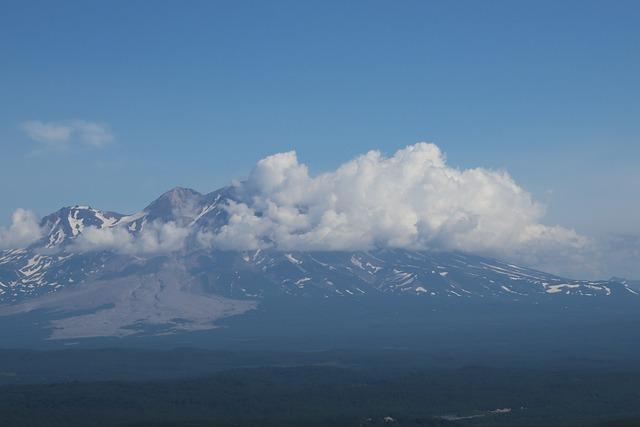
{"x":324,"y":395}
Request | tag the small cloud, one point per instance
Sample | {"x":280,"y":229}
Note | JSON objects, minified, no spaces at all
{"x":92,"y":134}
{"x":60,"y":135}
{"x":156,"y":237}
{"x":24,"y":230}
{"x":51,"y":134}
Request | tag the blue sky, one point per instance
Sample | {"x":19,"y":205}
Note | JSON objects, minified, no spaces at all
{"x":194,"y":93}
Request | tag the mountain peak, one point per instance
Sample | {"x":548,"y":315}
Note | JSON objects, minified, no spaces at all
{"x":176,"y":202}
{"x":177,"y":193}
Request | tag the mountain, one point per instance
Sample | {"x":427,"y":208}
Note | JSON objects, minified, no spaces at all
{"x":103,"y":292}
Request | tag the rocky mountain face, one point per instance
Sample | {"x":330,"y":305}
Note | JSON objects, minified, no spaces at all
{"x":119,"y":293}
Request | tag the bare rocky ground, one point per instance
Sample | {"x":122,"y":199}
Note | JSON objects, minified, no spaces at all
{"x":168,"y":301}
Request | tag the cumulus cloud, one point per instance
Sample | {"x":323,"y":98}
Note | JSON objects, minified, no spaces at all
{"x":155,"y":238}
{"x":24,"y":230}
{"x":411,"y":199}
{"x":61,"y":135}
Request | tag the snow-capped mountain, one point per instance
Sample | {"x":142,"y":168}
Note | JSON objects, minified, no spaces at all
{"x":198,"y":285}
{"x":180,"y":205}
{"x":401,"y":272}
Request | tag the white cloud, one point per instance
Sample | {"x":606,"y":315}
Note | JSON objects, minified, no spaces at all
{"x":412,"y":199}
{"x":61,"y":135}
{"x":48,"y":133}
{"x":91,"y":133}
{"x":155,"y":238}
{"x":23,"y":231}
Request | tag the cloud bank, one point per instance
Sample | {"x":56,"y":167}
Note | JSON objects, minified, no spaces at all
{"x":23,"y":231}
{"x":61,"y":135}
{"x":155,"y":238}
{"x":411,"y":199}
